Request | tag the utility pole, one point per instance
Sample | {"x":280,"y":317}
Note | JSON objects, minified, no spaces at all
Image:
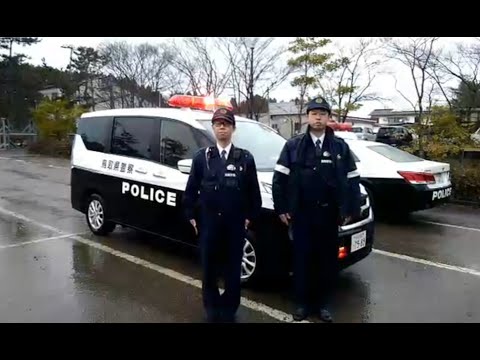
{"x":251,"y":84}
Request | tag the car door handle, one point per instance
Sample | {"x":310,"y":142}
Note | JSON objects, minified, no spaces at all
{"x":159,"y":175}
{"x":141,"y":171}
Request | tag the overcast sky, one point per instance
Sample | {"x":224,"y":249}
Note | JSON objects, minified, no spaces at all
{"x":384,"y":84}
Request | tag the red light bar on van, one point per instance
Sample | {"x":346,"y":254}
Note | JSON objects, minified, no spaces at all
{"x":198,"y":102}
{"x":418,"y":177}
{"x":336,"y":126}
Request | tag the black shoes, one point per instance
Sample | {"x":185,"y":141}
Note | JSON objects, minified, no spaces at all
{"x":325,"y":315}
{"x":301,"y":313}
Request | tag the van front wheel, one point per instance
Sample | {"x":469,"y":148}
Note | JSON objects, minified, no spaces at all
{"x":95,"y":214}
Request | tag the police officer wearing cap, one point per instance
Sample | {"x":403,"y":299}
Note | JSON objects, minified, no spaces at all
{"x":315,"y":189}
{"x":224,"y":181}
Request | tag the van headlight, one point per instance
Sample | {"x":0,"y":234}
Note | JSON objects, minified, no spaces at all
{"x":267,"y":187}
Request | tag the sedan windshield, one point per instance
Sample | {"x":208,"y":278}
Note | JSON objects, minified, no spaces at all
{"x":263,"y":142}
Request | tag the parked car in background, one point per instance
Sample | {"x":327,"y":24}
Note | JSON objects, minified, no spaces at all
{"x":399,"y":182}
{"x":396,"y":136}
{"x":364,"y":133}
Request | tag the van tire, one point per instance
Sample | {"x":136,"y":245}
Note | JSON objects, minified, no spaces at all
{"x":270,"y":268}
{"x":96,"y":213}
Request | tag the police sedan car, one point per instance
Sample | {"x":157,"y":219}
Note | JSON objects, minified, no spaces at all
{"x":398,"y":181}
{"x":130,"y":167}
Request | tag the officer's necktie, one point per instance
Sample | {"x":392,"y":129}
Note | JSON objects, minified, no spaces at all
{"x":318,"y":148}
{"x":224,"y":155}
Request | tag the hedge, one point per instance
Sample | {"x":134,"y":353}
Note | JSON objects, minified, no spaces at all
{"x":466,"y":182}
{"x":51,"y":147}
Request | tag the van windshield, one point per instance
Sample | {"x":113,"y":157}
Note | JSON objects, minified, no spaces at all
{"x":263,"y":142}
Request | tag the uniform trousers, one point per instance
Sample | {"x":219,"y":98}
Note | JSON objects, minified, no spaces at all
{"x":315,"y":259}
{"x":222,"y":240}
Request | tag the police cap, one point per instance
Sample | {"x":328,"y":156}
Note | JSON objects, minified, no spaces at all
{"x":224,"y":114}
{"x":319,"y":103}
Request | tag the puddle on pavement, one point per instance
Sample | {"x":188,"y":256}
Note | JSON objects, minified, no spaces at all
{"x":66,"y":281}
{"x":15,"y":231}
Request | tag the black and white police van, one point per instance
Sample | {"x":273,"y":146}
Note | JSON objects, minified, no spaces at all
{"x":397,"y":181}
{"x":130,"y":167}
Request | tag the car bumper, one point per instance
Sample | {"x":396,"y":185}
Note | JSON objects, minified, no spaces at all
{"x":420,"y":197}
{"x":399,"y":195}
{"x":434,"y":197}
{"x":356,"y":243}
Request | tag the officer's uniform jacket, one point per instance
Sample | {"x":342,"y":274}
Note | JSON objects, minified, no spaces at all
{"x":229,"y":188}
{"x":292,"y":168}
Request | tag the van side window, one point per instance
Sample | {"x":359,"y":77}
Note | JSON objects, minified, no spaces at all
{"x":132,"y":136}
{"x":94,"y":132}
{"x":177,"y":142}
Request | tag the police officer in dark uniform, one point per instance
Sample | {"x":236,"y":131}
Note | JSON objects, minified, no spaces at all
{"x":224,"y":181}
{"x":315,"y":189}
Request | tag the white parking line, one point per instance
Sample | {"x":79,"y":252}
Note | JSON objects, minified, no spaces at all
{"x":428,"y":262}
{"x":450,"y":225}
{"x":57,"y":167}
{"x":274,"y":313}
{"x":37,"y":241}
{"x":31,"y":162}
{"x":253,"y":305}
{"x":34,"y":222}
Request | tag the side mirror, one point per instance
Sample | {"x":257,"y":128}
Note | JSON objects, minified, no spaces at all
{"x":185,"y":166}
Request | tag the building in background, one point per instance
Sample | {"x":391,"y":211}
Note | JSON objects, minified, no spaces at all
{"x":392,"y":117}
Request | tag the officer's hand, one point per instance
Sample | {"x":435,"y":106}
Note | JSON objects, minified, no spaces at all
{"x":346,"y":220}
{"x":194,"y":224}
{"x":285,"y":218}
{"x":247,"y":222}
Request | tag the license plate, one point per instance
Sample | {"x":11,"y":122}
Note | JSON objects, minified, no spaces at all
{"x":359,"y":241}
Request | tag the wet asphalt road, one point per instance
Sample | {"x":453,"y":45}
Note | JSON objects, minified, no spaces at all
{"x":423,"y":269}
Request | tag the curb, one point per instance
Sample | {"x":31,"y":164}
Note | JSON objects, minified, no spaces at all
{"x":465,"y":203}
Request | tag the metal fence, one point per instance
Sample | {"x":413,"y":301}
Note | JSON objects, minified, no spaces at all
{"x":14,"y":138}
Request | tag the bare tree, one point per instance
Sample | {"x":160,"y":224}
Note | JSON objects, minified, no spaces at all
{"x":441,"y":79}
{"x":256,"y":68}
{"x":349,"y":83}
{"x":418,"y":54}
{"x":141,"y":71}
{"x":195,"y":59}
{"x":464,"y":65}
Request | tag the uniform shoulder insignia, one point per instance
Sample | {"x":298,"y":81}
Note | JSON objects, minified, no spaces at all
{"x":199,"y":152}
{"x":297,"y":136}
{"x":339,"y":139}
{"x":246,"y":153}
{"x":294,"y":140}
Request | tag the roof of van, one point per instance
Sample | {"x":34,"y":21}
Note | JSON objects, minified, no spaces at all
{"x":185,"y":115}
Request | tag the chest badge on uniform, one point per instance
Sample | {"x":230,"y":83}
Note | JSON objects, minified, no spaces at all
{"x":326,"y":154}
{"x":339,"y":156}
{"x":231,"y":167}
{"x":240,"y":168}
